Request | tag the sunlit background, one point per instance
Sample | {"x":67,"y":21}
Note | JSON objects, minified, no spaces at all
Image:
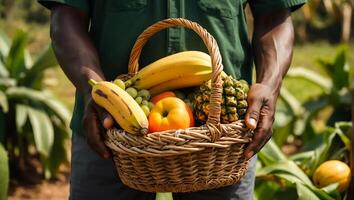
{"x":312,"y":120}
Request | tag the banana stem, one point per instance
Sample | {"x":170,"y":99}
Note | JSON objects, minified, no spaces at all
{"x":92,"y":82}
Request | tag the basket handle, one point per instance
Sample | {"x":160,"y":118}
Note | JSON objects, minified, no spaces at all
{"x":217,"y":67}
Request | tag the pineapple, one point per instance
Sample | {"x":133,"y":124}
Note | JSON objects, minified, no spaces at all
{"x":233,"y":104}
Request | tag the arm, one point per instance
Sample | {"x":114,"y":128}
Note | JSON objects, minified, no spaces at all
{"x":78,"y":59}
{"x":272,"y":47}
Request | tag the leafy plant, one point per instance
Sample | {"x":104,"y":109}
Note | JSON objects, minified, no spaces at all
{"x":299,"y":118}
{"x":279,"y":175}
{"x":4,"y":173}
{"x":30,"y":116}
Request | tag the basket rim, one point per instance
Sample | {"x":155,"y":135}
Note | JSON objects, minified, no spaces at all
{"x":177,"y":142}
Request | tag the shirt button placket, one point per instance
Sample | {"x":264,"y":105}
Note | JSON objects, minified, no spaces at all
{"x":175,"y":43}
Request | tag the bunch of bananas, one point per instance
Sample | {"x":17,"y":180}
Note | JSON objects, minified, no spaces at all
{"x":180,"y":70}
{"x":123,"y":107}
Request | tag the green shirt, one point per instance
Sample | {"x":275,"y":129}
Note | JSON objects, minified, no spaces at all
{"x":115,"y":25}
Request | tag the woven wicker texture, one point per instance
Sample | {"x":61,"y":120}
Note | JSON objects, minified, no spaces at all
{"x":187,"y":160}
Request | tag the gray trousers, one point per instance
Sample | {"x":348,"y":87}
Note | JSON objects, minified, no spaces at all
{"x":93,"y":178}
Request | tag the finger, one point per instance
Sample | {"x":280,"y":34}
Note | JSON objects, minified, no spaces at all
{"x":93,"y":134}
{"x":253,"y":112}
{"x":261,"y":135}
{"x":106,"y":119}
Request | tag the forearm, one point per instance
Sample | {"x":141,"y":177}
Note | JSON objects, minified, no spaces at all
{"x":272,"y":46}
{"x":73,"y":47}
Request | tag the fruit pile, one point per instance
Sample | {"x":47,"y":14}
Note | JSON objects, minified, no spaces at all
{"x":142,"y":97}
{"x":149,"y":102}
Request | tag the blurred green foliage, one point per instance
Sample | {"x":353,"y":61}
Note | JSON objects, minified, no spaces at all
{"x":301,"y":117}
{"x":281,"y":177}
{"x":4,"y":173}
{"x":31,"y":117}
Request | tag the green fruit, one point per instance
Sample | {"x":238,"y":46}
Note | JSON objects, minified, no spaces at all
{"x":128,"y":83}
{"x":119,"y":83}
{"x":151,"y":105}
{"x":145,"y":94}
{"x":146,"y":109}
{"x":144,"y":102}
{"x":139,"y":100}
{"x":132,"y":92}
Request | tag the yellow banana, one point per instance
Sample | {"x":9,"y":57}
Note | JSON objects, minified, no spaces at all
{"x":193,"y":80}
{"x":121,"y":106}
{"x":196,"y":79}
{"x":172,"y":67}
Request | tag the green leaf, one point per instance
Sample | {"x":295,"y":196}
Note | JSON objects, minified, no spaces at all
{"x":4,"y":173}
{"x":4,"y":105}
{"x":43,"y":131}
{"x":34,"y":75}
{"x":344,"y":127}
{"x":3,"y":70}
{"x":47,"y":100}
{"x":340,"y":77}
{"x":302,"y":156}
{"x":292,"y":103}
{"x":16,"y":59}
{"x":21,"y":116}
{"x":323,"y":195}
{"x":58,"y":154}
{"x":344,"y":138}
{"x":271,"y":153}
{"x":331,"y":189}
{"x":305,"y":193}
{"x":281,"y":133}
{"x":164,"y":196}
{"x":288,"y":177}
{"x":4,"y":44}
{"x":265,"y":189}
{"x":313,"y":77}
{"x":7,"y":82}
{"x":287,"y":167}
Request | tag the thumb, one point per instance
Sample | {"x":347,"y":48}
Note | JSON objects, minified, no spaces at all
{"x":105,"y":118}
{"x":253,"y":112}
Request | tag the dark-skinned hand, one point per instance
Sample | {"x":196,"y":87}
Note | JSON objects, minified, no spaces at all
{"x":260,"y":116}
{"x":95,"y":121}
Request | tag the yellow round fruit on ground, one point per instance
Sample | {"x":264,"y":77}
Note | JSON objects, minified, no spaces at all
{"x":332,"y":171}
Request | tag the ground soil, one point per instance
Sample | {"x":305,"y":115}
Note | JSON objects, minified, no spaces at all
{"x":57,"y":189}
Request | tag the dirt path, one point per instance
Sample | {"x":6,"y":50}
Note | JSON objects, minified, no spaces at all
{"x":45,"y":190}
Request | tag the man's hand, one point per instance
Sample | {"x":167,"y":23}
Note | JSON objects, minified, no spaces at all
{"x":95,"y":121}
{"x":272,"y":44}
{"x":260,"y":116}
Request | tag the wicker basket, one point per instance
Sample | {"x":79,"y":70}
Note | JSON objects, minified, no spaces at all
{"x":188,"y":160}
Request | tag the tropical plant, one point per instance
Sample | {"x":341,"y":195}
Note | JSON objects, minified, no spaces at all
{"x":32,"y":121}
{"x":295,"y":118}
{"x":280,"y":177}
{"x":4,"y":173}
